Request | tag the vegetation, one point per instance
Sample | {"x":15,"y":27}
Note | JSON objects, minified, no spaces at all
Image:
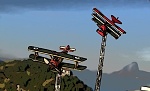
{"x":34,"y":76}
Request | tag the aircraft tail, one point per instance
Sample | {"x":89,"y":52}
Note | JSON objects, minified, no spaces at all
{"x":115,"y":20}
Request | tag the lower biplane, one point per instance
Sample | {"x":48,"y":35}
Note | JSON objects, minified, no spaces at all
{"x":56,"y":58}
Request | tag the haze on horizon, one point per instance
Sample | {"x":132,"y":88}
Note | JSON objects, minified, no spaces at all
{"x":51,"y":23}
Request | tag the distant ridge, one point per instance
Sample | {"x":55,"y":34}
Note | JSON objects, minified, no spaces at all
{"x":8,"y":59}
{"x":3,"y":59}
{"x":0,"y":60}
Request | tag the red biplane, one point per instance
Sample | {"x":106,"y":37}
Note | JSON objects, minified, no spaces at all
{"x":107,"y":25}
{"x":56,"y":58}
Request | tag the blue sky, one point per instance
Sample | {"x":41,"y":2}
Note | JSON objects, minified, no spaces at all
{"x":27,"y":24}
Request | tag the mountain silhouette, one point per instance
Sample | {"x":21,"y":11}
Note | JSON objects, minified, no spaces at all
{"x":133,"y":67}
{"x":130,"y":69}
{"x":0,"y":60}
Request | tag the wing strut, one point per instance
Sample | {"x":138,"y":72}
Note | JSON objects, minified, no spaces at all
{"x":100,"y":65}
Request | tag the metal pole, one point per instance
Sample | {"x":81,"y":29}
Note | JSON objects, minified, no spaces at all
{"x":100,"y":65}
{"x":57,"y":82}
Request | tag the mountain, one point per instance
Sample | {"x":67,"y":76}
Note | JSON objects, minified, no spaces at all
{"x":35,"y":76}
{"x":128,"y":78}
{"x":3,"y":59}
{"x":0,"y":60}
{"x":132,"y":68}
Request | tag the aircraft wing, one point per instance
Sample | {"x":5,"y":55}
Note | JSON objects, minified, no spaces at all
{"x":72,"y":66}
{"x":61,"y":65}
{"x":58,"y":54}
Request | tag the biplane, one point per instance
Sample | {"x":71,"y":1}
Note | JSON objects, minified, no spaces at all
{"x":106,"y":25}
{"x":56,"y":58}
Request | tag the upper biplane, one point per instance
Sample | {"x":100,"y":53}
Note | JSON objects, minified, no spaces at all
{"x":56,"y":58}
{"x":106,"y":25}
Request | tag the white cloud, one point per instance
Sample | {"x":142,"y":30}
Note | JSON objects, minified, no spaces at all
{"x":144,"y":54}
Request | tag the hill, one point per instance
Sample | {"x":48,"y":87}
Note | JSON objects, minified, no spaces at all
{"x":34,"y":76}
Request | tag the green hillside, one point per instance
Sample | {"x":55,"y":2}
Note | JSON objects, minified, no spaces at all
{"x":34,"y":76}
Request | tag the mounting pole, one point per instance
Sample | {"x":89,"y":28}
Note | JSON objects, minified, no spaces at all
{"x":100,"y":65}
{"x":59,"y":77}
{"x":57,"y":82}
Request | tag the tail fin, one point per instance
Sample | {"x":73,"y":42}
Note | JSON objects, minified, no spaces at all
{"x":115,"y":20}
{"x":68,"y":47}
{"x":65,"y":48}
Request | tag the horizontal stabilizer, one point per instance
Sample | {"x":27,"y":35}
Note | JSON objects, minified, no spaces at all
{"x":66,"y":48}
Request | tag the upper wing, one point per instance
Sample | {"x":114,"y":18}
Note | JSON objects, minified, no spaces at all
{"x":58,"y":54}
